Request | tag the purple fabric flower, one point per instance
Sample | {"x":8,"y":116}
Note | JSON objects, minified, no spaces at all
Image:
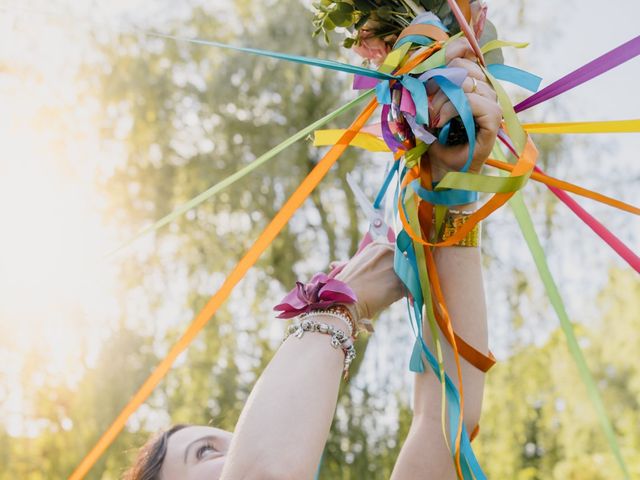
{"x":322,"y":291}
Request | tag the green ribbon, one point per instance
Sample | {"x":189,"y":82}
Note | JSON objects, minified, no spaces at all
{"x":197,"y":200}
{"x":514,"y":128}
{"x":482,"y":183}
{"x":526,"y":226}
{"x":425,"y":286}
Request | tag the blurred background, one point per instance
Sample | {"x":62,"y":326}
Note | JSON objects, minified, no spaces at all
{"x":104,"y":130}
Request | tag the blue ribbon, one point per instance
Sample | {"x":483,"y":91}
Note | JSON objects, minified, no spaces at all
{"x":418,"y":91}
{"x":385,"y":185}
{"x":459,"y":100}
{"x":383,"y":92}
{"x":417,"y":39}
{"x":516,"y":76}
{"x":416,"y":88}
{"x":404,"y":265}
{"x":314,"y":62}
{"x":444,"y":197}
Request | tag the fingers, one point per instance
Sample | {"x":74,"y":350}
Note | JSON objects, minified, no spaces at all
{"x":486,"y":111}
{"x":470,"y":85}
{"x":488,"y":116}
{"x":470,"y":66}
{"x":459,"y":48}
{"x":374,"y":254}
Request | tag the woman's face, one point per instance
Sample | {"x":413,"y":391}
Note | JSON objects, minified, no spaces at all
{"x":195,"y":453}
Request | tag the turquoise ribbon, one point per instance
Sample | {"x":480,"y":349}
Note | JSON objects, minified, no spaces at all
{"x":516,"y":76}
{"x":314,"y":62}
{"x":416,"y":88}
{"x":460,"y":102}
{"x":406,"y":267}
{"x":418,"y":91}
{"x":444,"y":197}
{"x":230,"y":180}
{"x":385,"y":185}
{"x":406,"y":263}
{"x":417,"y":39}
{"x":383,"y":92}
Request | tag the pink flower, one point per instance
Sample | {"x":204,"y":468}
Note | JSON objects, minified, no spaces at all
{"x":478,"y":17}
{"x":322,"y":291}
{"x":370,"y":47}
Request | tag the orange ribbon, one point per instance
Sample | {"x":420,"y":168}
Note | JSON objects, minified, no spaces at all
{"x":569,"y":187}
{"x":246,"y":262}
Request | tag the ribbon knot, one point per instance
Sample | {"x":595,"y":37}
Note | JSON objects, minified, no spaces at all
{"x":322,"y":291}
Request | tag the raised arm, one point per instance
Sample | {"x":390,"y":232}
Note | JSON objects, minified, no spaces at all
{"x":284,"y":425}
{"x":424,"y":454}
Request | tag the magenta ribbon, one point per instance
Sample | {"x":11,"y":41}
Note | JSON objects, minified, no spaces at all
{"x":614,"y":242}
{"x":322,"y":291}
{"x":597,"y":67}
{"x":360,"y":82}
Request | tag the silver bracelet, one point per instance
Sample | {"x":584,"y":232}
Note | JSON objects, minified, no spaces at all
{"x":339,"y":339}
{"x":325,"y":313}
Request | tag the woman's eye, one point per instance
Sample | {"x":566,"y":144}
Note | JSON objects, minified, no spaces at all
{"x":204,"y":450}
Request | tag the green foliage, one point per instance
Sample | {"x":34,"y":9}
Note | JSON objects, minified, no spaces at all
{"x":387,"y":17}
{"x":188,"y":116}
{"x":537,"y":420}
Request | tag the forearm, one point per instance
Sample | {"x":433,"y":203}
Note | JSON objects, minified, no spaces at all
{"x":284,"y":425}
{"x":425,"y":453}
{"x":460,"y":274}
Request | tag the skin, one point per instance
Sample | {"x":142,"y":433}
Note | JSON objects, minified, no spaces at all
{"x":425,"y":454}
{"x":196,"y":453}
{"x":284,"y":425}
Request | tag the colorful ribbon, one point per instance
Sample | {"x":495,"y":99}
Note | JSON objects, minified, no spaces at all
{"x":614,"y":242}
{"x":410,"y":241}
{"x":591,"y":70}
{"x":528,"y":231}
{"x":322,"y":291}
{"x":230,"y":180}
{"x":248,"y":260}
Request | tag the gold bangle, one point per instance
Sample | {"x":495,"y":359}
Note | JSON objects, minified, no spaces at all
{"x":452,"y":223}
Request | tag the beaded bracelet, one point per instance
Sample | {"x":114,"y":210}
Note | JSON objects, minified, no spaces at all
{"x":339,"y":339}
{"x":339,"y":312}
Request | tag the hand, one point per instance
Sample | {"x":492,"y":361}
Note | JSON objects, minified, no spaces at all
{"x":486,"y":112}
{"x":371,"y":276}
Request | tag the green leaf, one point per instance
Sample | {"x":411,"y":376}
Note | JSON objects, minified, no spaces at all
{"x":328,"y":24}
{"x":348,"y":42}
{"x":342,"y":14}
{"x":342,"y":20}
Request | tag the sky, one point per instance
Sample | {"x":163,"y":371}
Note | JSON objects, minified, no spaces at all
{"x":54,"y":238}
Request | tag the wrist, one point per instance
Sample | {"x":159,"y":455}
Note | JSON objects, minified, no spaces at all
{"x":454,"y":219}
{"x":327,"y":323}
{"x":466,"y":207}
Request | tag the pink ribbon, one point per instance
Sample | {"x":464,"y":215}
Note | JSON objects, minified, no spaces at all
{"x":614,"y":242}
{"x":322,"y":291}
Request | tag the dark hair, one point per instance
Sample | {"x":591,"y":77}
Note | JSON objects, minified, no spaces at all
{"x":149,"y":460}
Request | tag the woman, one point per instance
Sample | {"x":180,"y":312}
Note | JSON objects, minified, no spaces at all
{"x":284,"y":425}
